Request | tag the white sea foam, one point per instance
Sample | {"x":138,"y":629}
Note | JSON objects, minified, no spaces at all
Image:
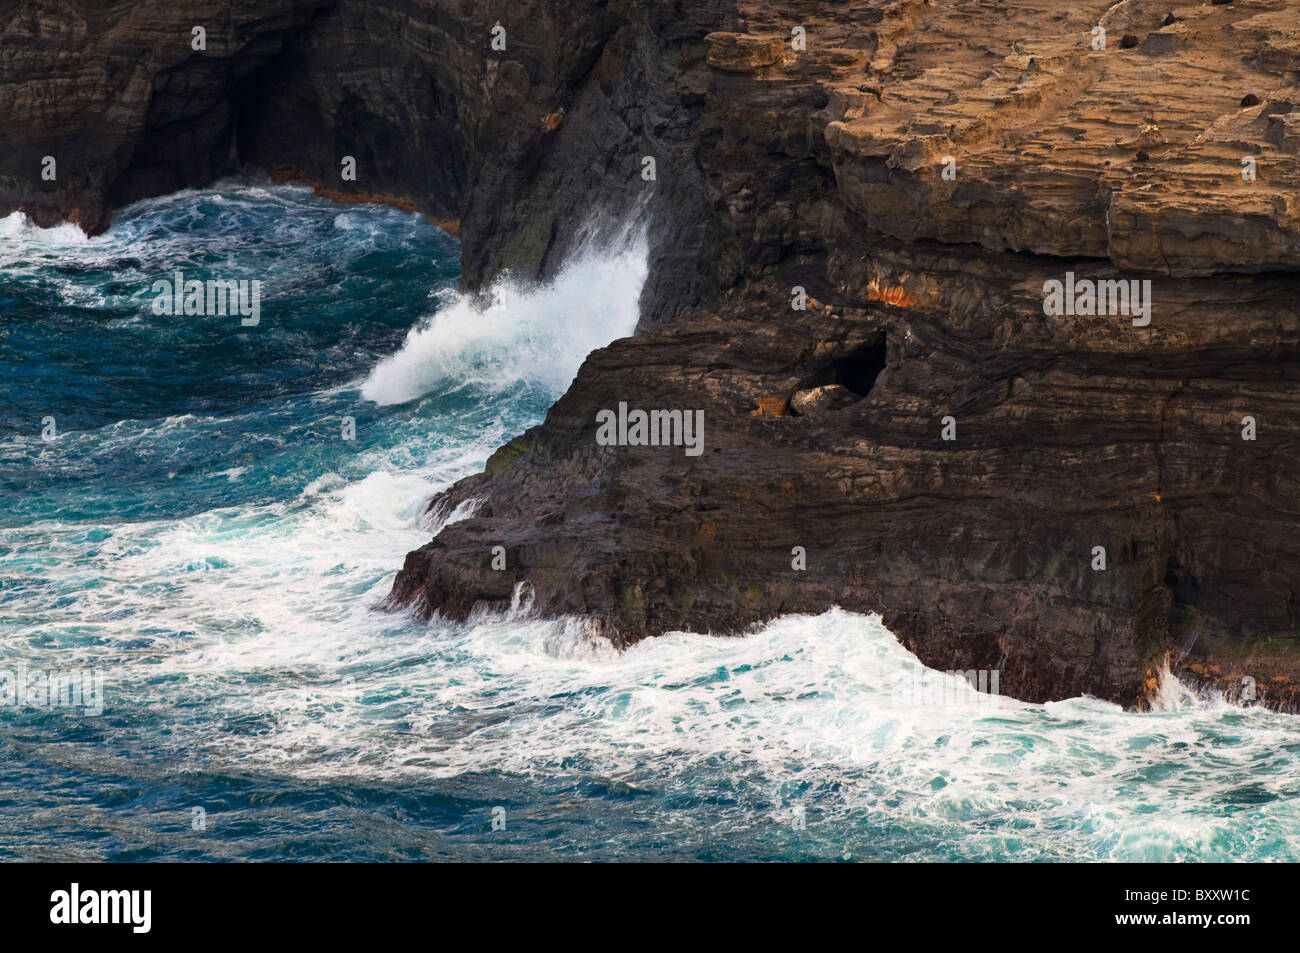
{"x":808,"y":707}
{"x":276,"y":628}
{"x":524,"y":334}
{"x":18,"y":229}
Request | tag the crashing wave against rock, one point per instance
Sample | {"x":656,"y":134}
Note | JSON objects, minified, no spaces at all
{"x":1069,"y":499}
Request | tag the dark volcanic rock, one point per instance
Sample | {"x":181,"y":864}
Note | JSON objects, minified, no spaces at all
{"x":978,"y":551}
{"x":1072,"y":433}
{"x":522,"y":145}
{"x":920,"y":181}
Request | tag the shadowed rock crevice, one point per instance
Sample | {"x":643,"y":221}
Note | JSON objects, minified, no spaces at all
{"x":855,"y":371}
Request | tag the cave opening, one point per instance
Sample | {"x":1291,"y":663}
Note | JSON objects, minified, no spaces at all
{"x":858,"y":369}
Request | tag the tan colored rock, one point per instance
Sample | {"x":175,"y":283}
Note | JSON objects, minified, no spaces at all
{"x":742,"y":53}
{"x":1047,"y":139}
{"x":818,"y":400}
{"x":771,"y":406}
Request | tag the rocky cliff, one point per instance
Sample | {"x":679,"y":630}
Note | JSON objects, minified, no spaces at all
{"x":1072,"y":498}
{"x":521,"y":145}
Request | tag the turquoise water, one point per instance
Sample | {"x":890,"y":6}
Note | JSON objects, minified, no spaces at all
{"x":200,"y":534}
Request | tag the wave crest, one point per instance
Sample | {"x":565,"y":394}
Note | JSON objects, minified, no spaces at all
{"x":523,"y":335}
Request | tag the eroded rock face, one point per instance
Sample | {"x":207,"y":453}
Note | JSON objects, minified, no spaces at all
{"x":1073,"y":432}
{"x":524,"y":146}
{"x":922,"y":170}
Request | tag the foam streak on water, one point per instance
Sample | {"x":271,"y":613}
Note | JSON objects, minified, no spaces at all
{"x":201,"y":534}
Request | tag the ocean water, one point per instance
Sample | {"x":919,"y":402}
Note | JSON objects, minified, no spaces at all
{"x":199,"y":535}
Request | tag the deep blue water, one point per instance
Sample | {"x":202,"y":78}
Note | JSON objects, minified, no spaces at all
{"x":200,"y":534}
